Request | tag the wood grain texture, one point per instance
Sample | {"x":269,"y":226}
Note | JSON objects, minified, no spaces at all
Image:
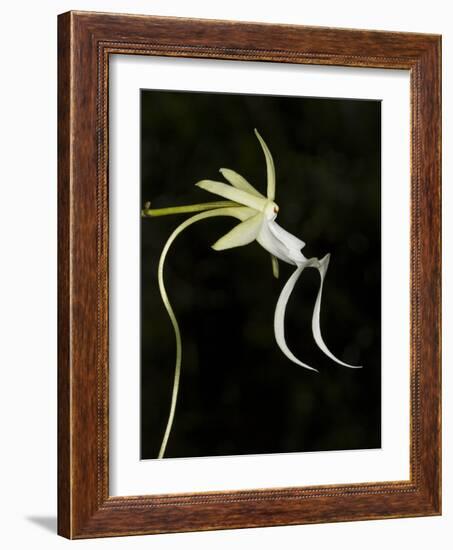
{"x":64,"y":371}
{"x":85,"y":42}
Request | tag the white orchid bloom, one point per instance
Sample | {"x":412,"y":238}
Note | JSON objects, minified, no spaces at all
{"x":257,"y":214}
{"x":260,"y":225}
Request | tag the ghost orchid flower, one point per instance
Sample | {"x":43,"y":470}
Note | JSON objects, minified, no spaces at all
{"x":257,"y":214}
{"x":262,"y":227}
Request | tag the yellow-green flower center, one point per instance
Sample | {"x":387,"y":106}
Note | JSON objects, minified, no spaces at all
{"x":270,"y":210}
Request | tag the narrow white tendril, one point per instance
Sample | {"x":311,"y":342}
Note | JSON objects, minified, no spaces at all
{"x":280,"y":309}
{"x":236,"y":212}
{"x":315,"y":323}
{"x":279,"y":316}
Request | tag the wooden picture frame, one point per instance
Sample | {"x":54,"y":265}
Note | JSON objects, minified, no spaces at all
{"x":85,"y":42}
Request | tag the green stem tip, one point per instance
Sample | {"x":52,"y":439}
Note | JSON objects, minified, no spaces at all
{"x":187,"y":209}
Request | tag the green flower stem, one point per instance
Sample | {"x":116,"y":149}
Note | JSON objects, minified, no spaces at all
{"x":234,"y":212}
{"x":275,"y":267}
{"x":153,"y":212}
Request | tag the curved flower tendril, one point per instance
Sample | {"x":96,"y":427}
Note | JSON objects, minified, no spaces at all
{"x":257,"y":214}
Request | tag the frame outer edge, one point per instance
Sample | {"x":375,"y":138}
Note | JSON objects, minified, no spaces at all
{"x":80,"y":401}
{"x":64,"y":341}
{"x":438,"y":176}
{"x":427,"y":275}
{"x":431,"y":222}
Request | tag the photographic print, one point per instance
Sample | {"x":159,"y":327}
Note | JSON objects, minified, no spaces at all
{"x":260,"y":274}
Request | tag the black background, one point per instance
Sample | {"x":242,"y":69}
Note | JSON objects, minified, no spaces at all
{"x":239,"y":394}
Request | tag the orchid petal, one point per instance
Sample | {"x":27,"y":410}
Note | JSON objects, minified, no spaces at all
{"x":290,"y":240}
{"x":233,"y":194}
{"x":270,"y":167}
{"x":273,"y":245}
{"x":316,"y":328}
{"x":242,"y":234}
{"x":279,"y":316}
{"x":239,"y":182}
